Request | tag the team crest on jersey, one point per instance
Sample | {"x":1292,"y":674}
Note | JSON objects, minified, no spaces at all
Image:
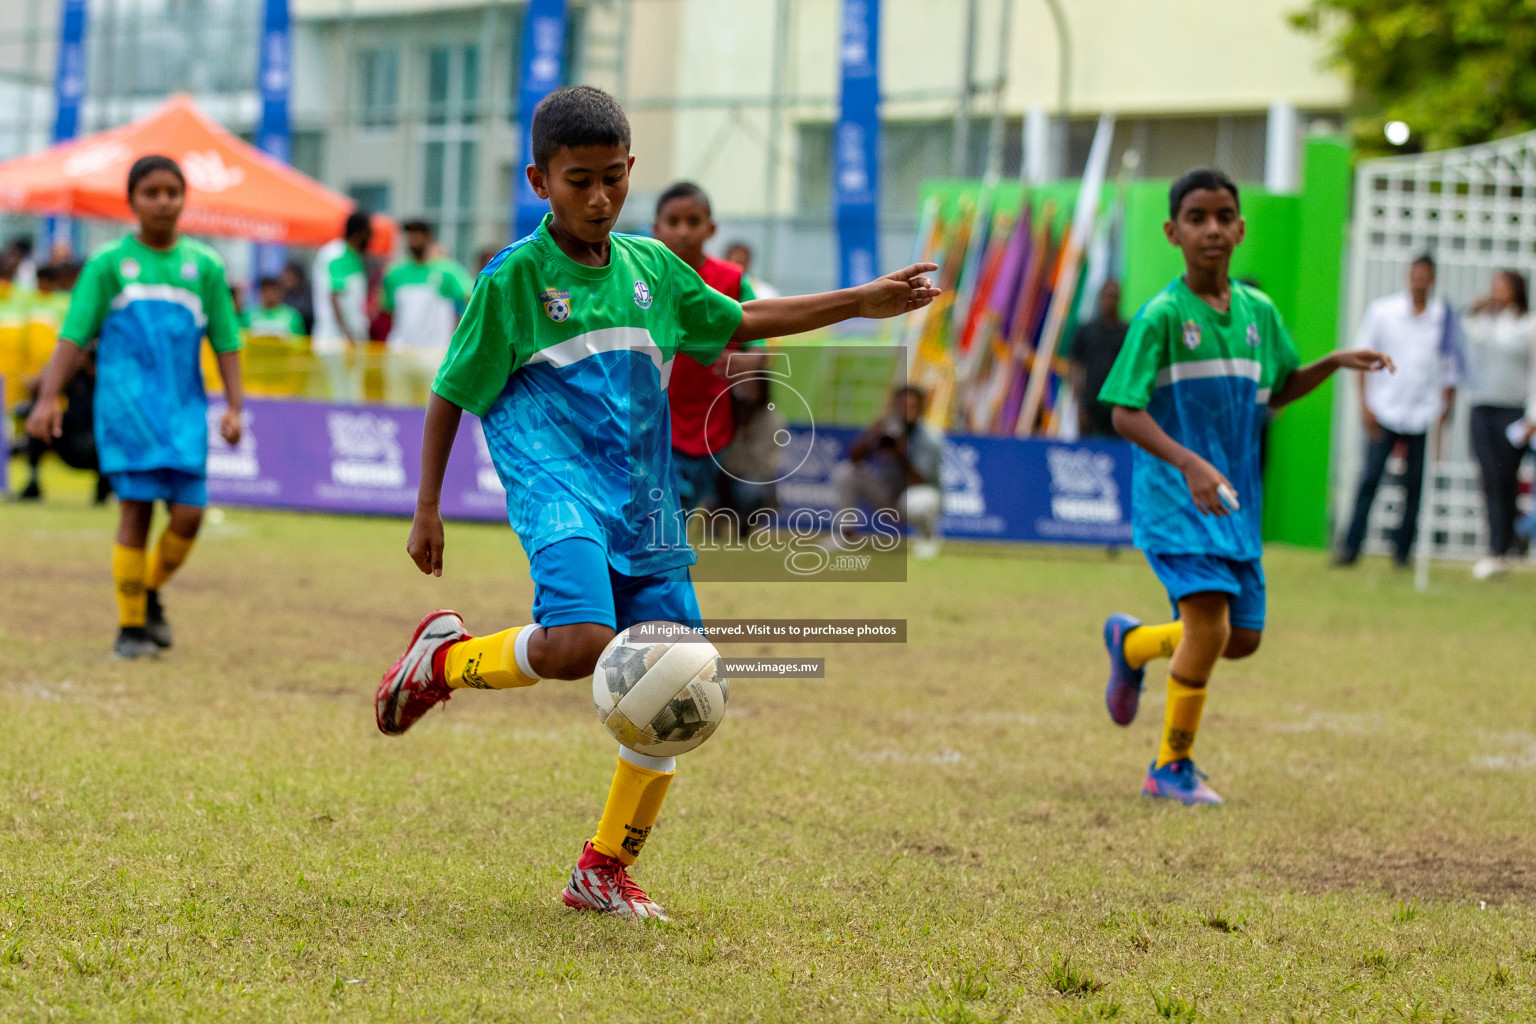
{"x":1191,"y":335}
{"x":642,"y":295}
{"x":189,"y":271}
{"x":557,"y":304}
{"x":1253,"y":336}
{"x":129,"y":268}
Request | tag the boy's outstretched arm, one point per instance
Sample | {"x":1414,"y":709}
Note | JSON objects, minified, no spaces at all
{"x":1203,"y":479}
{"x":1306,"y":379}
{"x":887,"y":296}
{"x":425,"y":544}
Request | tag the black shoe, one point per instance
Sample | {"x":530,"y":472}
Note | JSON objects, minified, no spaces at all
{"x":31,"y":492}
{"x":103,"y":490}
{"x":155,"y":626}
{"x":1344,"y":559}
{"x":132,"y":643}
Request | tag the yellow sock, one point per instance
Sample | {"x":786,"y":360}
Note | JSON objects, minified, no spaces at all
{"x":634,"y":801}
{"x":171,"y":550}
{"x":1181,"y":720}
{"x":1144,"y":643}
{"x":128,"y":577}
{"x":487,"y":662}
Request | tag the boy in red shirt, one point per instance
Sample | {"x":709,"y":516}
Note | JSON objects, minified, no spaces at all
{"x":702,"y":423}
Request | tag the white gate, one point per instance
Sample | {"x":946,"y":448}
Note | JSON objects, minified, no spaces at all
{"x":1474,"y":210}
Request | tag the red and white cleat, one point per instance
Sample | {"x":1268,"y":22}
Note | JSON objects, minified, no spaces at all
{"x":415,"y":684}
{"x":601,"y":883}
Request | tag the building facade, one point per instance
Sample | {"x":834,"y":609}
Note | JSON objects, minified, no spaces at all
{"x":409,"y":106}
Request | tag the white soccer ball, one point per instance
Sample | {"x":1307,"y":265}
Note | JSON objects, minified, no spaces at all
{"x":663,"y":694}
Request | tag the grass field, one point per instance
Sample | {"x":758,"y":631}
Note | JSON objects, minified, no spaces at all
{"x":945,"y":831}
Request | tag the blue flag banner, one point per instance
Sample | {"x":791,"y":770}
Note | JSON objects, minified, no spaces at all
{"x":68,"y":92}
{"x":274,"y":135}
{"x":543,"y":66}
{"x":856,"y":145}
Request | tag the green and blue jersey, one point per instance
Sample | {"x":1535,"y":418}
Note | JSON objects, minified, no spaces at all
{"x":151,"y":311}
{"x":567,"y":367}
{"x":1206,"y":378}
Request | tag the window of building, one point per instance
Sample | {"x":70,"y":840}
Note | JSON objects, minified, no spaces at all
{"x":450,"y":148}
{"x":372,"y":196}
{"x":378,"y":87}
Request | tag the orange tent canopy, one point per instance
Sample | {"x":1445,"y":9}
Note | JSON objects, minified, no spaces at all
{"x":233,"y":189}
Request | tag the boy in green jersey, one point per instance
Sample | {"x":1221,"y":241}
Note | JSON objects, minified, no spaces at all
{"x":1204,"y":362}
{"x":564,"y":353}
{"x":272,"y":317}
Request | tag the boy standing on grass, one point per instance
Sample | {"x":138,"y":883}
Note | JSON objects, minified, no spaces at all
{"x":564,"y":354}
{"x":1202,"y":361}
{"x":150,"y":298}
{"x":702,"y":425}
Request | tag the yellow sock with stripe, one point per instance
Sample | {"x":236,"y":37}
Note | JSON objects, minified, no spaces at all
{"x":1181,"y":720}
{"x":1144,"y":643}
{"x":171,"y":550}
{"x":128,"y":578}
{"x":634,"y":800}
{"x":495,"y":662}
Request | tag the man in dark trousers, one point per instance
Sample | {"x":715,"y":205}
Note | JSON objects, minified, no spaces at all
{"x":1093,"y":352}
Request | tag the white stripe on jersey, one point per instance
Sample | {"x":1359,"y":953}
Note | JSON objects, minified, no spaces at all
{"x":162,"y":293}
{"x":1200,"y":369}
{"x":606,"y":339}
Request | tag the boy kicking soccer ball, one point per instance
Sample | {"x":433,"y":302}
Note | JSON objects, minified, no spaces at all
{"x":564,"y":354}
{"x":151,"y":297}
{"x":1204,"y":362}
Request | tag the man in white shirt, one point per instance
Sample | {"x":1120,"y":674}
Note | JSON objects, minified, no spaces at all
{"x":1424,"y":340}
{"x":425,"y":295}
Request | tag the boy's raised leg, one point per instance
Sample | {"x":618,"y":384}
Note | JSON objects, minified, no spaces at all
{"x":1130,"y":646}
{"x":1173,"y":774}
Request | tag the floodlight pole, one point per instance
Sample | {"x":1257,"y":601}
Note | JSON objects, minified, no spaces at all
{"x":1063,"y":87}
{"x":959,"y":157}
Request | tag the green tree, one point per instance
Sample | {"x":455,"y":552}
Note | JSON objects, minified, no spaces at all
{"x":1456,"y":71}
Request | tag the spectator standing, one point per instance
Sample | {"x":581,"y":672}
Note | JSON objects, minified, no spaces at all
{"x":1501,"y":339}
{"x":1094,"y":349}
{"x":340,"y":283}
{"x":425,"y":295}
{"x":271,"y":317}
{"x":896,"y":464}
{"x":1422,"y":337}
{"x":297,"y":294}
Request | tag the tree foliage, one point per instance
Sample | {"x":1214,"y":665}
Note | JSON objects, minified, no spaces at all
{"x":1457,"y":72}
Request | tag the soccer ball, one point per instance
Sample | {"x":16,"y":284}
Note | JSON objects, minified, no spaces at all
{"x":663,"y":694}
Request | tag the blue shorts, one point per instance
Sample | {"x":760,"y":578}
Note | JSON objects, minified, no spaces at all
{"x":172,"y":486}
{"x":1183,"y":575}
{"x":573,"y":582}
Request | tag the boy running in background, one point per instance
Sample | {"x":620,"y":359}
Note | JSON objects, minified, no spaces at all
{"x":271,"y":317}
{"x":151,"y":298}
{"x":702,"y":427}
{"x":564,"y":354}
{"x":1202,"y":361}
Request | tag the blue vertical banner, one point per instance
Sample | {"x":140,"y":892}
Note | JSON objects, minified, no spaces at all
{"x":542,"y":68}
{"x":856,"y":146}
{"x":68,"y":93}
{"x":274,"y":135}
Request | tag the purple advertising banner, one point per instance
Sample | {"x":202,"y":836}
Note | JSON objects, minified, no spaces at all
{"x":366,"y":460}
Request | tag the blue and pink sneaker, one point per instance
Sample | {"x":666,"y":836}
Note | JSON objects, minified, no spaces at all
{"x":1123,"y":694}
{"x":1179,"y":780}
